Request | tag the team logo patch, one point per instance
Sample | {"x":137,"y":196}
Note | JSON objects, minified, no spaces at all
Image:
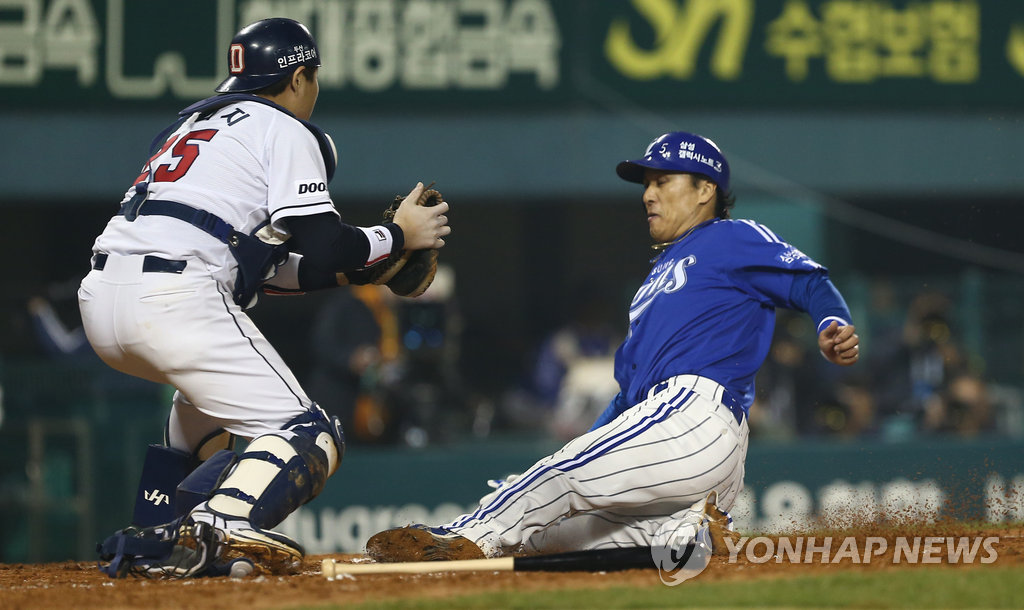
{"x":309,"y":188}
{"x":666,"y":278}
{"x":157,"y":497}
{"x":237,"y":58}
{"x":793,"y":255}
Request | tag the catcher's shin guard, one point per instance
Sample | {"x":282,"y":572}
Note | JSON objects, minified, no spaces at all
{"x":201,"y":483}
{"x":281,"y":471}
{"x":156,"y":501}
{"x":162,"y":471}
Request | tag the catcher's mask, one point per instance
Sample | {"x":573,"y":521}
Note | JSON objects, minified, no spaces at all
{"x":680,"y":151}
{"x":264,"y":52}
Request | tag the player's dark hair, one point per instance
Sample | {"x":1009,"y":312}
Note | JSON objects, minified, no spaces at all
{"x":724,"y":202}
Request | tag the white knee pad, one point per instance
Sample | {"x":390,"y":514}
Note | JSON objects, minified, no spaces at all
{"x":280,"y":472}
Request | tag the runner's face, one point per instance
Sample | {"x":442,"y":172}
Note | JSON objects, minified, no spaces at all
{"x":675,"y":203}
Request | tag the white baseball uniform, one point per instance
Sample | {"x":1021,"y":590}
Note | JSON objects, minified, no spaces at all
{"x":174,"y":321}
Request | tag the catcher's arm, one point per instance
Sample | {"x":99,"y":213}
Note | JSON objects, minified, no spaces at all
{"x":321,"y":245}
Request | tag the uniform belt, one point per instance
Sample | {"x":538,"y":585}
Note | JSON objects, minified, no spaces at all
{"x":708,"y":388}
{"x":211,"y":223}
{"x":150,"y":264}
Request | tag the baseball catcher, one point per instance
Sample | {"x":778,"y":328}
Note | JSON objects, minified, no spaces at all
{"x":232,"y":202}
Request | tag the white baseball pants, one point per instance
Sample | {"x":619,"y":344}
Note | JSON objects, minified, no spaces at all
{"x":183,"y":329}
{"x":615,"y":486}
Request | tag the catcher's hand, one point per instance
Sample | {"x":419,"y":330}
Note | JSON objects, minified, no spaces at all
{"x":421,"y":215}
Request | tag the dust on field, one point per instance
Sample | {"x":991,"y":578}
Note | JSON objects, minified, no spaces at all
{"x":81,"y":585}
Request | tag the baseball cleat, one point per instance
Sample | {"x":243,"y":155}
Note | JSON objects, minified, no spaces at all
{"x":719,"y":525}
{"x":420,"y":543}
{"x":267,"y":551}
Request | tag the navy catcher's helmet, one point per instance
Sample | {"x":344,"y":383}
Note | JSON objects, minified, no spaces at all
{"x":680,"y":151}
{"x":264,"y":52}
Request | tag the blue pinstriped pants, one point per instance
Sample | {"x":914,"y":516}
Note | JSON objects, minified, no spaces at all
{"x":615,"y":486}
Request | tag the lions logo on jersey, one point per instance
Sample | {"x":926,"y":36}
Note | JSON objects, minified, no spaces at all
{"x":666,"y":278}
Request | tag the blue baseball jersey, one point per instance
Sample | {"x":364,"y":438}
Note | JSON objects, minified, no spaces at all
{"x":708,"y":308}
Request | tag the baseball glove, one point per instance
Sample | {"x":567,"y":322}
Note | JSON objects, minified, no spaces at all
{"x":407,"y":273}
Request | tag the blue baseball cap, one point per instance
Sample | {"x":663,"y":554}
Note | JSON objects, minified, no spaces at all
{"x":680,"y":151}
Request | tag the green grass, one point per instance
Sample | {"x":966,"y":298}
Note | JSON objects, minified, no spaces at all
{"x":985,"y":587}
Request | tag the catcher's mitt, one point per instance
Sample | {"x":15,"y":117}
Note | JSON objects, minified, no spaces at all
{"x":407,"y":273}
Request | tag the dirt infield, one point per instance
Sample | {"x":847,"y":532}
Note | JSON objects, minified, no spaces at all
{"x":81,"y":585}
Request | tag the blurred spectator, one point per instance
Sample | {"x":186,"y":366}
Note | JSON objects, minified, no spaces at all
{"x":796,"y":395}
{"x":925,"y":381}
{"x":386,"y":365}
{"x":56,"y":338}
{"x":589,"y":333}
{"x":67,"y":345}
{"x":88,"y":386}
{"x":885,"y":313}
{"x":587,"y":387}
{"x":963,"y":407}
{"x":848,"y":410}
{"x":435,"y":404}
{"x":786,"y":385}
{"x":572,"y":377}
{"x":356,"y":352}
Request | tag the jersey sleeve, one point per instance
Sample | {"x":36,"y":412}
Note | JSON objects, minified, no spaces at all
{"x":816,"y":295}
{"x":765,"y":266}
{"x":296,"y":175}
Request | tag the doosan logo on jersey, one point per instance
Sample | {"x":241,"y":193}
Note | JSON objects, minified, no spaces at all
{"x":666,"y":278}
{"x":309,"y":188}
